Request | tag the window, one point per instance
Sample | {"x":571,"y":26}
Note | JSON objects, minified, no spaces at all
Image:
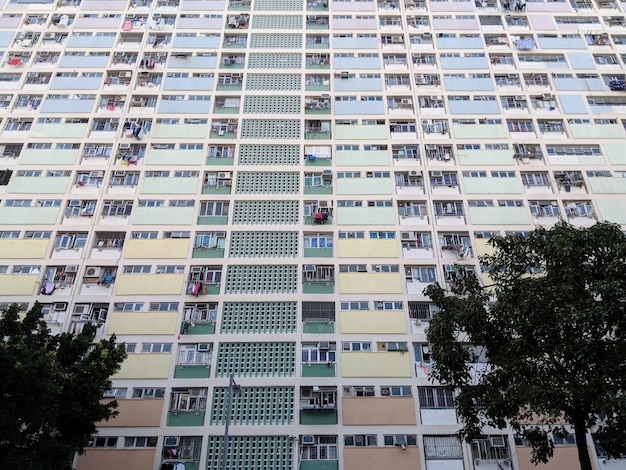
{"x":435,"y":398}
{"x":354,"y":305}
{"x":116,"y":392}
{"x":68,"y":241}
{"x":137,"y":269}
{"x":442,"y":448}
{"x":318,"y":352}
{"x":351,"y":235}
{"x":166,"y":269}
{"x":140,"y":441}
{"x":360,"y":440}
{"x":10,"y":234}
{"x":192,"y":399}
{"x":38,"y":235}
{"x":399,"y":439}
{"x":356,"y":346}
{"x":423,"y":274}
{"x":396,"y":391}
{"x":359,"y":391}
{"x":156,"y":347}
{"x":148,"y":392}
{"x":324,"y":448}
{"x":383,"y":235}
{"x":128,"y":307}
{"x":164,"y":307}
{"x":25,"y":269}
{"x":213,"y":209}
{"x":102,"y":442}
{"x":318,"y":241}
{"x":352,"y":268}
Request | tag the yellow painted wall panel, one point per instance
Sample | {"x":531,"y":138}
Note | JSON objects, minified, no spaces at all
{"x":367,"y":248}
{"x":145,"y":366}
{"x":482,"y":247}
{"x":20,"y":248}
{"x":18,"y":284}
{"x":379,"y":321}
{"x":164,"y":248}
{"x":378,"y":411}
{"x":375,"y":364}
{"x":370,"y":283}
{"x":143,"y":323}
{"x":147,"y":284}
{"x":375,"y":458}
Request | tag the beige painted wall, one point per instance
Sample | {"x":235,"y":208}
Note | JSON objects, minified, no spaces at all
{"x":23,"y":248}
{"x":149,"y":284}
{"x":378,"y":458}
{"x":136,"y":413}
{"x":120,"y":459}
{"x":375,"y":364}
{"x":145,"y":366}
{"x":376,"y":321}
{"x":367,"y":248}
{"x":565,"y":458}
{"x":375,"y":411}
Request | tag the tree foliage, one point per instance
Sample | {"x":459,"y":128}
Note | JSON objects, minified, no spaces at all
{"x":552,"y":324}
{"x":51,"y":390}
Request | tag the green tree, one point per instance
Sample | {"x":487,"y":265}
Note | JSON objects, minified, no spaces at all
{"x":51,"y":390}
{"x":552,"y":324}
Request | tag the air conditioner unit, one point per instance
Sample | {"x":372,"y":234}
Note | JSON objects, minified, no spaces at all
{"x":431,"y":147}
{"x":119,"y":53}
{"x":203,"y":347}
{"x":119,"y":173}
{"x":327,"y":172}
{"x":384,"y":391}
{"x":71,"y":268}
{"x":520,"y":98}
{"x":60,"y":306}
{"x":435,"y":98}
{"x":124,"y":147}
{"x":80,"y":309}
{"x":546,"y":96}
{"x":109,"y":394}
{"x":324,"y":346}
{"x":220,"y":234}
{"x":171,"y":441}
{"x":436,"y":174}
{"x":43,"y":54}
{"x":75,"y":203}
{"x":309,"y":268}
{"x":117,"y":202}
{"x":399,"y":441}
{"x":415,"y":173}
{"x":93,"y":272}
{"x":126,"y":74}
{"x":497,"y":441}
{"x":406,"y":236}
{"x":308,"y":440}
{"x":130,"y":17}
{"x":224,"y":175}
{"x":96,"y":174}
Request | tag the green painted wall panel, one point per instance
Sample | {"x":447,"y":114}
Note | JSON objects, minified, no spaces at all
{"x":595,"y":131}
{"x":50,"y":157}
{"x":318,"y":417}
{"x":186,"y":418}
{"x":163,"y":215}
{"x":29,"y":215}
{"x":59,"y":130}
{"x":318,"y":288}
{"x":319,"y":465}
{"x":485,"y":157}
{"x":318,"y":370}
{"x":612,"y":210}
{"x":192,"y":372}
{"x":318,"y":252}
{"x":366,"y":216}
{"x":607,"y":185}
{"x":30,"y":185}
{"x":183,"y":131}
{"x":615,"y":152}
{"x":207,"y":253}
{"x":213,"y":220}
{"x":361,"y":132}
{"x":480,"y":131}
{"x":169,"y":185}
{"x":364,"y":186}
{"x":318,"y":327}
{"x":499,"y":215}
{"x":174,"y":157}
{"x":359,"y":158}
{"x":492,"y":186}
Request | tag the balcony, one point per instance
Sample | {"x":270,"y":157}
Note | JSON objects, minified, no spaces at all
{"x":315,"y":105}
{"x":98,"y":280}
{"x":200,"y":319}
{"x":317,"y":129}
{"x":193,"y":361}
{"x":318,"y":317}
{"x":318,"y":405}
{"x":318,"y":279}
{"x":318,"y":183}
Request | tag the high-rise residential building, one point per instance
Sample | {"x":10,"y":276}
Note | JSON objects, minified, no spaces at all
{"x":263,"y":188}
